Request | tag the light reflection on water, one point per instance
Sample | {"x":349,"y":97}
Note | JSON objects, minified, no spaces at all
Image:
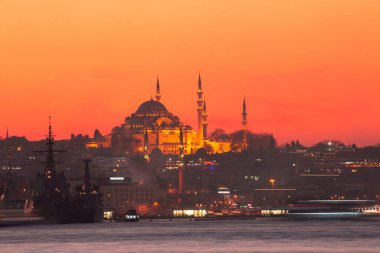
{"x":261,"y":235}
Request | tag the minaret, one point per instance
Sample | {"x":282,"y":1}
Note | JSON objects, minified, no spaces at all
{"x":182,"y":162}
{"x":146,"y":145}
{"x":204,"y":120}
{"x":244,"y":123}
{"x":158,"y":92}
{"x":200,"y":110}
{"x":244,"y":114}
{"x":181,"y":145}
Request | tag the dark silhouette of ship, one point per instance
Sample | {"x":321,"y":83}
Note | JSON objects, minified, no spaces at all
{"x":52,"y":199}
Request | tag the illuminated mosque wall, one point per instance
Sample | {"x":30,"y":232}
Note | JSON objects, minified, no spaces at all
{"x":153,"y":126}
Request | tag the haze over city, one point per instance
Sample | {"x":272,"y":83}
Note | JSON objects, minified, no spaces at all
{"x":309,"y":69}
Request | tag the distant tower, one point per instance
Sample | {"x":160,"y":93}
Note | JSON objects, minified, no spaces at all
{"x":146,"y":145}
{"x":158,"y":91}
{"x":181,"y":145}
{"x":204,"y":120}
{"x":7,"y":135}
{"x":182,"y":162}
{"x":244,"y":114}
{"x":244,"y":123}
{"x":87,"y":177}
{"x":200,"y":110}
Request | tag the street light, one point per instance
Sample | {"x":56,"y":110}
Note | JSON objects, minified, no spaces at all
{"x":272,"y":181}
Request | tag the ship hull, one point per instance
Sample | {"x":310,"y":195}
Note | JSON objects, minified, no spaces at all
{"x":326,"y":216}
{"x":71,"y":215}
{"x":20,"y":221}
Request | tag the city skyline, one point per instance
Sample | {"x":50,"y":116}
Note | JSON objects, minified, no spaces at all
{"x":309,"y":75}
{"x":190,"y":126}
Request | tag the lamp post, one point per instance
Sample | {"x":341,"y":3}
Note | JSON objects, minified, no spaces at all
{"x":272,"y":181}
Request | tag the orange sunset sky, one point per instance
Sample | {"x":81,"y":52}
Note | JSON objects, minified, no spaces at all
{"x":309,"y":69}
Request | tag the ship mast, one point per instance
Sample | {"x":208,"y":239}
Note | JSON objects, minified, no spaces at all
{"x":87,"y":178}
{"x":50,"y":163}
{"x":50,"y":171}
{"x":7,"y":192}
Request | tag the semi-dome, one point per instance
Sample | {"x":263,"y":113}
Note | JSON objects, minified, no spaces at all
{"x":151,"y":106}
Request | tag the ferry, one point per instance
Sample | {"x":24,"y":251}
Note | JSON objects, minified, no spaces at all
{"x":327,"y":210}
{"x":333,"y":210}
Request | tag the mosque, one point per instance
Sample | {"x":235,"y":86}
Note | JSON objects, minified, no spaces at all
{"x":152,"y":126}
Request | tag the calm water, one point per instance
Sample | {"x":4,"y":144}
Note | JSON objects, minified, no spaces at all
{"x":261,"y":235}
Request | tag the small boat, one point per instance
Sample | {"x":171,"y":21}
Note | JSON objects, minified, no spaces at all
{"x":132,"y":216}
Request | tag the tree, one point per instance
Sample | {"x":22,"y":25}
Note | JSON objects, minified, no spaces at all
{"x":294,"y":145}
{"x":219,"y":135}
{"x":239,"y":140}
{"x":201,"y":152}
{"x":78,"y":141}
{"x":244,"y":140}
{"x":97,"y":134}
{"x":261,"y":142}
{"x":115,"y":144}
{"x":208,"y":148}
{"x":130,"y":144}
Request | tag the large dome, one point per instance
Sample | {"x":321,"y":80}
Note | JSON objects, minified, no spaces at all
{"x":151,"y":106}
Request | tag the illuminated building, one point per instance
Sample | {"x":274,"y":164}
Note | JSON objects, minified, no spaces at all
{"x":119,"y":195}
{"x":204,"y":174}
{"x":152,"y":126}
{"x":196,"y":213}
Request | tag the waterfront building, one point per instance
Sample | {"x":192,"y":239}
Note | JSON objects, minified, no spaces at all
{"x":120,"y":194}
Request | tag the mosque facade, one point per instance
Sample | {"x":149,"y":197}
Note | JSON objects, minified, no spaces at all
{"x":152,"y":126}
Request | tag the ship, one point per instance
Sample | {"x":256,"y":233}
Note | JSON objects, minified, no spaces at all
{"x":333,"y":210}
{"x":88,"y":199}
{"x":329,"y":209}
{"x":52,"y":199}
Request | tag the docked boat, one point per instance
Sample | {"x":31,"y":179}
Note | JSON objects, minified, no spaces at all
{"x":132,"y":216}
{"x":52,"y":199}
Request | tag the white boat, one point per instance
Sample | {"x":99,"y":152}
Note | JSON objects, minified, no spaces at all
{"x":333,"y":210}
